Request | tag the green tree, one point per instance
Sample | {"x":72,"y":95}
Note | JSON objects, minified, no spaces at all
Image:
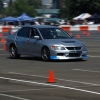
{"x":1,"y":8}
{"x":37,"y":3}
{"x":21,"y":6}
{"x":73,"y":8}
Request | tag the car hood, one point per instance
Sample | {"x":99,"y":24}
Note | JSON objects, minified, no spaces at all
{"x":63,"y":42}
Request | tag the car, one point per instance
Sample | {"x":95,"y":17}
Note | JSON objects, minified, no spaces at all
{"x":45,"y":41}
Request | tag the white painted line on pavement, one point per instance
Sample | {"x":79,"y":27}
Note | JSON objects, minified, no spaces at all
{"x":27,"y":74}
{"x":4,"y":54}
{"x":93,"y":45}
{"x":1,"y":49}
{"x":26,"y":90}
{"x":87,"y":70}
{"x":1,"y":43}
{"x":13,"y":97}
{"x":93,"y":56}
{"x":59,"y":86}
{"x":92,"y":84}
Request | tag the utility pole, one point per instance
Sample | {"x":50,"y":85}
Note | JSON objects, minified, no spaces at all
{"x":10,"y":8}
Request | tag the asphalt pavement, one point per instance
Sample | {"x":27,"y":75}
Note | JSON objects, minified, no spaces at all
{"x":27,"y":78}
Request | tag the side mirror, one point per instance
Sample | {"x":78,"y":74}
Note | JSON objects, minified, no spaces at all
{"x":36,"y":37}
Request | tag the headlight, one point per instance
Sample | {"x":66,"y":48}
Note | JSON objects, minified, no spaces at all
{"x":57,"y":48}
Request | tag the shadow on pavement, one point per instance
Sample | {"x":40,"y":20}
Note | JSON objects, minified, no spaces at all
{"x":40,"y":59}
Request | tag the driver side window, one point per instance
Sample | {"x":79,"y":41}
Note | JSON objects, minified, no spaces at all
{"x":33,"y":32}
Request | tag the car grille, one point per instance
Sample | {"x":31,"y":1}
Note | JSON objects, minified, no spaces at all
{"x":74,"y":54}
{"x":73,"y":48}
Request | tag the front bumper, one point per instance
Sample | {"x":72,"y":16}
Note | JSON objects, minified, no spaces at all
{"x":69,"y":55}
{"x":65,"y":58}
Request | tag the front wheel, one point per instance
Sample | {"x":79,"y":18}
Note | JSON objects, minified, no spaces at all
{"x":45,"y":54}
{"x":13,"y":52}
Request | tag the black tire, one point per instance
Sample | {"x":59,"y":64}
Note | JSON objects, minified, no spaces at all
{"x":45,"y":54}
{"x":13,"y":52}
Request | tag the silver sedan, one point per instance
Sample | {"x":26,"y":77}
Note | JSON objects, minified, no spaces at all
{"x":47,"y":42}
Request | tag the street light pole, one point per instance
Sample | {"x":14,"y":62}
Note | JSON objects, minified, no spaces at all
{"x":10,"y":8}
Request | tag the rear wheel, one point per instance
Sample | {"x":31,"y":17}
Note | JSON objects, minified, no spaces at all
{"x":13,"y":52}
{"x":45,"y":54}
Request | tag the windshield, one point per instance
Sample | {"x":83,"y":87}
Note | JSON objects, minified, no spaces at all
{"x":54,"y":33}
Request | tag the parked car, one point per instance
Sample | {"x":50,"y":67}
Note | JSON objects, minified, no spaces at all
{"x":45,"y":41}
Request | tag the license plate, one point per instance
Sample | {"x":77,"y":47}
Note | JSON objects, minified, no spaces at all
{"x":76,"y":51}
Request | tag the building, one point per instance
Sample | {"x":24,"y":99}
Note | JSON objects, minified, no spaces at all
{"x":52,"y":9}
{"x":56,"y":4}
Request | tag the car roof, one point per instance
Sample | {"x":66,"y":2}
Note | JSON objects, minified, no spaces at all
{"x":41,"y":26}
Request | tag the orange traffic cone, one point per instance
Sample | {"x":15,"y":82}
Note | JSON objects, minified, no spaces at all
{"x":3,"y":40}
{"x":1,"y":35}
{"x":88,"y":34}
{"x":5,"y":48}
{"x":84,"y":32}
{"x":77,"y":36}
{"x":51,"y":77}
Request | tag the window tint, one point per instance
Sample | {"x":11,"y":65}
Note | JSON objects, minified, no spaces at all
{"x":53,"y":33}
{"x":24,"y":32}
{"x":33,"y":32}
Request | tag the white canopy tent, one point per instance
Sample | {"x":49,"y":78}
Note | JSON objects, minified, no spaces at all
{"x":82,"y":16}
